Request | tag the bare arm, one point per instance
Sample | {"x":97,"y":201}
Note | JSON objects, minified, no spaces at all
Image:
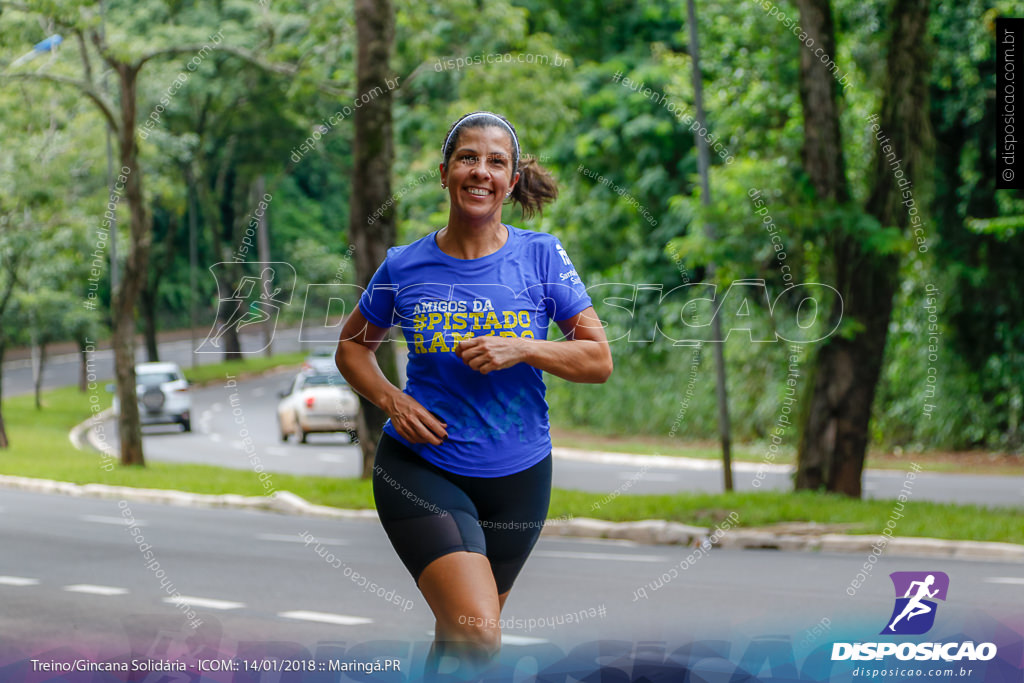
{"x":356,"y":360}
{"x":583,"y":356}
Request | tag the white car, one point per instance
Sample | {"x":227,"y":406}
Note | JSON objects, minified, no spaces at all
{"x":317,"y":403}
{"x":163,"y":394}
{"x":320,"y":360}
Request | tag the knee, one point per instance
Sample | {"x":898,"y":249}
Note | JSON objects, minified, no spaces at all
{"x":479,"y":630}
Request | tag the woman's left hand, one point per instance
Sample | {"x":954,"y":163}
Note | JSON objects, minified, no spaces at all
{"x":491,"y":352}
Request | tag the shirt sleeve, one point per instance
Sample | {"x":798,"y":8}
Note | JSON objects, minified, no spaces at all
{"x":377,"y":303}
{"x":564,"y":293}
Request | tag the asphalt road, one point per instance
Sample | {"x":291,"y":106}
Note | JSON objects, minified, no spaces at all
{"x":224,"y":414}
{"x":72,"y":572}
{"x":217,"y":427}
{"x":62,"y":370}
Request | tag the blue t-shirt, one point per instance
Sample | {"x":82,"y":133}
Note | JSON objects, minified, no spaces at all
{"x":498,"y":422}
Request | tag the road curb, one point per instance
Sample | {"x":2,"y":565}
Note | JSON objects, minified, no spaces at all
{"x":789,"y":537}
{"x":648,"y":531}
{"x":87,"y":430}
{"x":283,"y":502}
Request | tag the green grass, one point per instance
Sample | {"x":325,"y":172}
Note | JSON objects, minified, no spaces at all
{"x":997,"y":464}
{"x":204,"y":374}
{"x":40,"y":448}
{"x":760,"y":509}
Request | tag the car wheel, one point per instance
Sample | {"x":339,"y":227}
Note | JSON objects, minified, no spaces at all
{"x":187,"y":424}
{"x":353,"y":436}
{"x":300,"y":434}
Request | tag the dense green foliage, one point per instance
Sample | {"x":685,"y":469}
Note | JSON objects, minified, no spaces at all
{"x":559,"y":71}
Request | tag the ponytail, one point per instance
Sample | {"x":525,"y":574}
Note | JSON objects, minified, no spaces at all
{"x":536,"y":187}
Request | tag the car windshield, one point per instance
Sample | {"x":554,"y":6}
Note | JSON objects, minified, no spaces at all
{"x":156,"y":378}
{"x":321,"y":380}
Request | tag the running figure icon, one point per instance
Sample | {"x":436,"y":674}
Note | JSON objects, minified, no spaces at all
{"x":917,"y":594}
{"x":247,"y":300}
{"x":915,"y":606}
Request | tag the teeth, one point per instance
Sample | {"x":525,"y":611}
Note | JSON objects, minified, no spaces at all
{"x":478,"y":192}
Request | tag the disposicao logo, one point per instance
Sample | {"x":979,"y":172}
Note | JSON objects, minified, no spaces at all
{"x":912,"y":615}
{"x":914,"y":612}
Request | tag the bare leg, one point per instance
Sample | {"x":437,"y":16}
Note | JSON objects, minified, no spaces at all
{"x":460,"y":589}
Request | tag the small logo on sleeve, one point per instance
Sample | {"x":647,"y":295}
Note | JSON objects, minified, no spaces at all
{"x":563,"y":254}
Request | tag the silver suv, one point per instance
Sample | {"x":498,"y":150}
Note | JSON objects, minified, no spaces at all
{"x":163,"y":394}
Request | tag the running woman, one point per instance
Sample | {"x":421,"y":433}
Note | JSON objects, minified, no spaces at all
{"x":462,"y":476}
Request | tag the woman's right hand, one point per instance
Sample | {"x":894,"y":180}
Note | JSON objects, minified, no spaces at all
{"x":412,"y":421}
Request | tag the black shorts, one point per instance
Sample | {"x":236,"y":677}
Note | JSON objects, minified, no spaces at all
{"x":428,"y":512}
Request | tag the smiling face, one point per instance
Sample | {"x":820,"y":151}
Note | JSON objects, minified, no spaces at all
{"x":479,"y":173}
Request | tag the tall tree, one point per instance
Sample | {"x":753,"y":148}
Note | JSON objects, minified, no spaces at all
{"x":834,"y":431}
{"x":373,"y":154}
{"x":119,"y":54}
{"x":15,"y":255}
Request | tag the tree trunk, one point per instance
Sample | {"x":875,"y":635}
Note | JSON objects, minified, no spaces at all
{"x":819,"y":96}
{"x":136,"y":262}
{"x":83,"y":367}
{"x":371,"y":183}
{"x":3,"y":430}
{"x":147,"y":307}
{"x":263,"y":249}
{"x":220,"y":215}
{"x":230,"y":341}
{"x":835,"y":435}
{"x":39,"y":377}
{"x":826,"y":390}
{"x":149,"y":296}
{"x":834,"y":440}
{"x":11,"y":264}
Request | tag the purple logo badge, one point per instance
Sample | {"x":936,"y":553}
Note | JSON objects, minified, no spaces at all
{"x":916,"y":593}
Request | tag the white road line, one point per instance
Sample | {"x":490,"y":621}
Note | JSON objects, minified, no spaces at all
{"x":295,"y":538}
{"x":208,"y":603}
{"x":507,"y":639}
{"x":258,"y":391}
{"x":570,"y":555}
{"x":1012,"y":580}
{"x":217,"y":407}
{"x":648,"y":476}
{"x":276,"y":450}
{"x":116,"y":521}
{"x":17,"y":581}
{"x":325,"y":618}
{"x":216,"y":438}
{"x":329,"y":457}
{"x":600,"y":541}
{"x":95,"y":590}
